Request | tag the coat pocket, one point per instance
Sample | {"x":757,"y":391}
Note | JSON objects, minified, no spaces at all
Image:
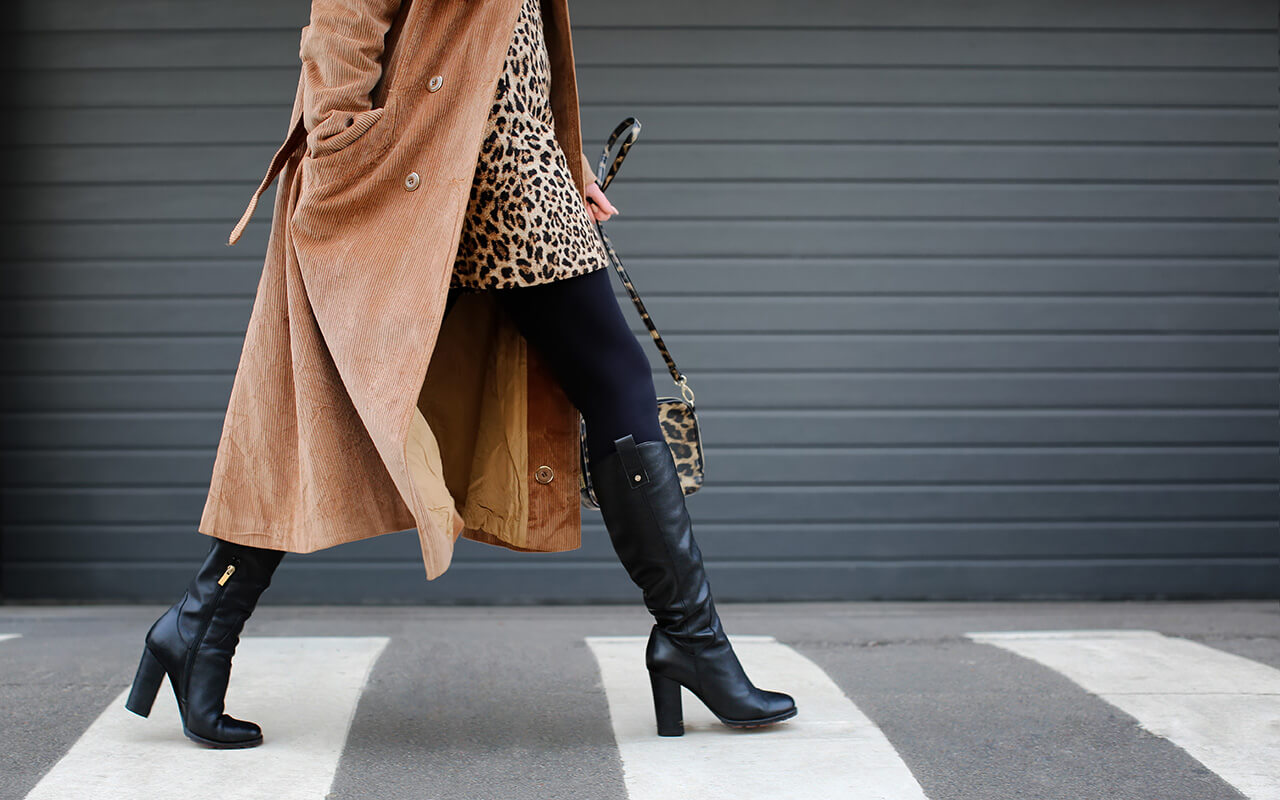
{"x":347,"y":144}
{"x":341,"y":129}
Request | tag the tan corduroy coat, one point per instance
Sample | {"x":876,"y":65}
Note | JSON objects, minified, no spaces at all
{"x":354,"y":412}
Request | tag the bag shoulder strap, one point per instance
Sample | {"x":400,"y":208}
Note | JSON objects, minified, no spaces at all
{"x":628,"y":131}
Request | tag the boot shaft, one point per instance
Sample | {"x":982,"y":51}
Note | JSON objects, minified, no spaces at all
{"x":232,"y":577}
{"x":226,"y":588}
{"x":644,"y":510}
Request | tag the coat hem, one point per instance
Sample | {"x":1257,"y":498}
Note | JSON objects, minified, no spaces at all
{"x":275,"y":542}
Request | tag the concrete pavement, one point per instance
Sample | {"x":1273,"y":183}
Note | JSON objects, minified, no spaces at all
{"x":512,"y":703}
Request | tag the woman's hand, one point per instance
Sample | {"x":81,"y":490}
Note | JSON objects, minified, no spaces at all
{"x":599,"y":206}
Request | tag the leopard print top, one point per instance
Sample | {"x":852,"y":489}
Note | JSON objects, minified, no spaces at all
{"x":525,"y":222}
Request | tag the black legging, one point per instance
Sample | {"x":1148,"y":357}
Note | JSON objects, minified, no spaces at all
{"x":576,"y":325}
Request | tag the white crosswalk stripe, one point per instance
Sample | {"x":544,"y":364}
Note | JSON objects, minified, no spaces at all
{"x":1221,"y":708}
{"x":4,"y":636}
{"x":303,"y":691}
{"x":829,"y":751}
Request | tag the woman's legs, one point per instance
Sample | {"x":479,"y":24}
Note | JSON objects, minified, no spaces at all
{"x":576,"y":325}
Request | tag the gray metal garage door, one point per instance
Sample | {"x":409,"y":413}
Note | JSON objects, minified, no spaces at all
{"x":979,"y":300}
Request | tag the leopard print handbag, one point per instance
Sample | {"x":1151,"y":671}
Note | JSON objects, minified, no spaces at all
{"x":675,"y":414}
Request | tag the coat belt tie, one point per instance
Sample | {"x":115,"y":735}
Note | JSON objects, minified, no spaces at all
{"x":297,"y":137}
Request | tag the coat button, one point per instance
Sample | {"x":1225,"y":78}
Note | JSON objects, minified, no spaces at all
{"x":544,"y":474}
{"x":435,"y":83}
{"x":411,"y":181}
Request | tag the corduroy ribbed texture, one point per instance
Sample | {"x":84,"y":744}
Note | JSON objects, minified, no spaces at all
{"x":353,"y":412}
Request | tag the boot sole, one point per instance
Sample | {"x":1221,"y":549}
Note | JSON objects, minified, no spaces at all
{"x":756,"y":723}
{"x":222,"y":745}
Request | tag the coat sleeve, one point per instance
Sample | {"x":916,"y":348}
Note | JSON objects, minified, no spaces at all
{"x":341,"y":52}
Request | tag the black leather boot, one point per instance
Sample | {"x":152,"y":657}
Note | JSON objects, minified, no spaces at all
{"x":644,"y":511}
{"x":194,"y":640}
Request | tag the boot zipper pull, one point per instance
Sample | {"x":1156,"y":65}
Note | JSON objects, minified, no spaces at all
{"x":226,"y":575}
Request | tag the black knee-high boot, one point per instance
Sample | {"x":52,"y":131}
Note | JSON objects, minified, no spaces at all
{"x":644,"y":511}
{"x":194,"y":640}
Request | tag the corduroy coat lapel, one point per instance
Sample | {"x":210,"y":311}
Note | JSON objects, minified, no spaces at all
{"x":354,"y":412}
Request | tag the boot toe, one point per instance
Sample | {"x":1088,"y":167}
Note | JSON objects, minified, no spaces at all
{"x":778,"y":703}
{"x":767,"y":708}
{"x":239,"y":730}
{"x":230,"y":732}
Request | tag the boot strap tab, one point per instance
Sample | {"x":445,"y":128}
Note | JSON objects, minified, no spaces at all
{"x":631,"y":463}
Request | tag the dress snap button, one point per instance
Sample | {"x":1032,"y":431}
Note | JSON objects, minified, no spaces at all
{"x":411,"y":181}
{"x":435,"y":83}
{"x":544,"y":474}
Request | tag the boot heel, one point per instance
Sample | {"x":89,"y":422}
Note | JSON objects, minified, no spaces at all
{"x":666,"y":705}
{"x":145,"y":684}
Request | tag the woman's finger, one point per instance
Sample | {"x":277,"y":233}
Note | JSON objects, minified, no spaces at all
{"x":600,"y":205}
